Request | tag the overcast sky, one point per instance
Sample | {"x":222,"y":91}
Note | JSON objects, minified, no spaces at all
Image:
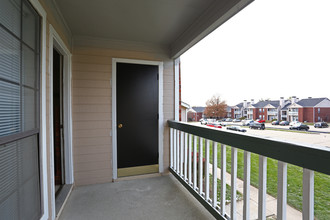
{"x":271,"y":49}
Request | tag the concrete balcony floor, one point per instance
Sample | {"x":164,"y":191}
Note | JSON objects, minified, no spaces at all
{"x":161,"y":197}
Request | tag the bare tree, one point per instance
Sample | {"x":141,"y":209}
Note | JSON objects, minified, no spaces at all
{"x":215,"y":107}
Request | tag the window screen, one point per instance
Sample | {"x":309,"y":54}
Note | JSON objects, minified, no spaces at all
{"x":19,"y":111}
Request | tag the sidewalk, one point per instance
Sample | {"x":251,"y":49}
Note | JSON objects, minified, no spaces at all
{"x":271,"y":202}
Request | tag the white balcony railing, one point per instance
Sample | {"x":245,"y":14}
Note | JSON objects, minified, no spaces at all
{"x":187,"y":150}
{"x":293,"y":113}
{"x":271,"y":112}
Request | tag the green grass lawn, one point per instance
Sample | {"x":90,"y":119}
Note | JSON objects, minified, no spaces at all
{"x":294,"y":177}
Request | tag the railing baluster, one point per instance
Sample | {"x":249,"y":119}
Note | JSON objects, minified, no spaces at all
{"x":262,"y":187}
{"x":181,"y":153}
{"x":195,"y":163}
{"x":281,"y":190}
{"x":215,"y":174}
{"x":207,"y":170}
{"x":233,"y":215}
{"x":223,"y":180}
{"x":177,"y":151}
{"x":189,"y":159}
{"x":185,"y":155}
{"x":308,"y":194}
{"x":200,"y":165}
{"x":246,"y":190}
{"x":171,"y":147}
{"x":174,"y":148}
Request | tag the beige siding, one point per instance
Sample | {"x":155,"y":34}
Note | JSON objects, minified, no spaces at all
{"x":92,"y":141}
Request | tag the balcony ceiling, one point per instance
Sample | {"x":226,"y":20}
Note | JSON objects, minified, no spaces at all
{"x":174,"y":24}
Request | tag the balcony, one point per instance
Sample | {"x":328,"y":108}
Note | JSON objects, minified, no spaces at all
{"x":271,"y":112}
{"x":191,"y":144}
{"x":292,"y":113}
{"x":186,"y":194}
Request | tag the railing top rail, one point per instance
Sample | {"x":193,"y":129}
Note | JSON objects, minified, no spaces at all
{"x":312,"y":157}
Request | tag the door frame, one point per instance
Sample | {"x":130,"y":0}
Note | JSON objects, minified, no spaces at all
{"x":55,"y":41}
{"x":113,"y":83}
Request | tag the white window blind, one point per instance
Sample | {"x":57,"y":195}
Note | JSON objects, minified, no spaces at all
{"x":19,"y":114}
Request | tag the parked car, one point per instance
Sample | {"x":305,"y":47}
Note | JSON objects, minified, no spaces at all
{"x":294,"y":123}
{"x":222,"y":123}
{"x":275,"y":123}
{"x":247,"y":122}
{"x":229,"y":120}
{"x":257,"y":125}
{"x":261,"y":121}
{"x":236,"y":128}
{"x":214,"y":124}
{"x":203,"y":121}
{"x":284,"y":123}
{"x":321,"y":125}
{"x":236,"y":120}
{"x":299,"y":126}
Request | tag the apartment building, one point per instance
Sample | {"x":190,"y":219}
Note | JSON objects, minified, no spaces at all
{"x":309,"y":110}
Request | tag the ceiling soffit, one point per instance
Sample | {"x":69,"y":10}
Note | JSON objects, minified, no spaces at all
{"x":175,"y":24}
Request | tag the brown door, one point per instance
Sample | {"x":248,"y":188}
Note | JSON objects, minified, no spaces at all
{"x":137,"y":119}
{"x":58,"y":116}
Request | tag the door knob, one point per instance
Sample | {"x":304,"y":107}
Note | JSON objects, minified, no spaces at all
{"x":120,"y":125}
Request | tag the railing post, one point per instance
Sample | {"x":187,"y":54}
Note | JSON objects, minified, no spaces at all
{"x":207,"y":170}
{"x":171,"y":147}
{"x":308,"y":194}
{"x":233,"y":214}
{"x":215,"y":174}
{"x":178,"y":151}
{"x":185,"y":155}
{"x":246,"y":190}
{"x":262,"y":187}
{"x":174,"y":148}
{"x":223,"y":180}
{"x":181,"y":153}
{"x":281,"y":190}
{"x":195,"y":163}
{"x":189,"y":159}
{"x":200,"y":165}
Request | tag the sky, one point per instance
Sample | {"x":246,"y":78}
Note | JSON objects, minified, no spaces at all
{"x":271,"y":49}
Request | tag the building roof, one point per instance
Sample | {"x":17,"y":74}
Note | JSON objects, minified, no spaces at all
{"x":310,"y":102}
{"x":198,"y":108}
{"x":285,"y":107}
{"x":262,"y":104}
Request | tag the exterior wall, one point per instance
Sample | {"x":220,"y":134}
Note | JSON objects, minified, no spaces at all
{"x":324,"y":114}
{"x":301,"y":114}
{"x":183,"y":114}
{"x":192,"y":116}
{"x":308,"y":114}
{"x":232,"y":112}
{"x":91,"y":79}
{"x":199,"y":116}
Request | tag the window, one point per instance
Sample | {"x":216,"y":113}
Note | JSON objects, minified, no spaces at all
{"x":318,"y":110}
{"x":19,"y":111}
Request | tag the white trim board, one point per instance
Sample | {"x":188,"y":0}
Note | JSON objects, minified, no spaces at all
{"x":55,"y":41}
{"x":114,"y":111}
{"x":43,"y":112}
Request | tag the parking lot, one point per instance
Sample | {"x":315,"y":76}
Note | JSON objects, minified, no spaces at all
{"x":317,"y":136}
